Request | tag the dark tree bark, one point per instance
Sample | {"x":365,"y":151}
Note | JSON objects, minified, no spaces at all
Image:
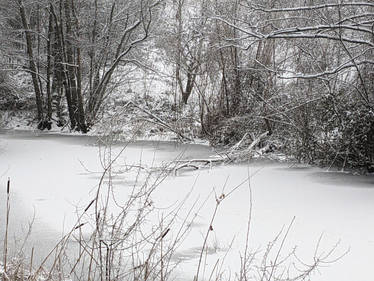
{"x":49,"y":56}
{"x":32,"y":65}
{"x":71,"y":85}
{"x":81,"y":117}
{"x":58,"y":75}
{"x":191,"y":77}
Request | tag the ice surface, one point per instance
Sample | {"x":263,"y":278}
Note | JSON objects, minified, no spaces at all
{"x":54,"y":175}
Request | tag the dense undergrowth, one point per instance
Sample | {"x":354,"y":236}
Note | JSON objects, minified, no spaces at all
{"x":342,"y":139}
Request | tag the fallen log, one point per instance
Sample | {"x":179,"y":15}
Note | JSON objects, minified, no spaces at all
{"x":198,"y":163}
{"x":238,"y":144}
{"x":237,"y":155}
{"x":234,"y":154}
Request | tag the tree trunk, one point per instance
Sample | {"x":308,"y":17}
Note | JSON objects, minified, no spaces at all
{"x":49,"y":55}
{"x":179,"y":46}
{"x":58,"y":76}
{"x":191,"y":76}
{"x":70,"y":68}
{"x":81,"y":114}
{"x":32,"y":64}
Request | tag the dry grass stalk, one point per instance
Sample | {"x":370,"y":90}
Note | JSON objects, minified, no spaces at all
{"x":5,"y":262}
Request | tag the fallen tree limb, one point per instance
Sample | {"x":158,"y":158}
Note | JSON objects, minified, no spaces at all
{"x":187,"y":165}
{"x":257,"y":141}
{"x":198,"y":163}
{"x":234,"y":154}
{"x":238,"y":144}
{"x":204,"y":160}
{"x":246,"y":153}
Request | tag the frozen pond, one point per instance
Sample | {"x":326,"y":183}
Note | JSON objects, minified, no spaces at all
{"x":52,"y":175}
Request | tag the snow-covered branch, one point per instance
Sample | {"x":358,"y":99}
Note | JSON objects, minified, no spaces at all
{"x":312,"y":7}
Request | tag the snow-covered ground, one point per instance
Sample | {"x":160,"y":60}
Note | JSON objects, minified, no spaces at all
{"x":52,"y":175}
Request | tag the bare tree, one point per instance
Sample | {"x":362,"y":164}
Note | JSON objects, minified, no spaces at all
{"x":311,"y":65}
{"x":68,"y":56}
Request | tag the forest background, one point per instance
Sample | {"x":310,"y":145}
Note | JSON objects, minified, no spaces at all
{"x":298,"y":73}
